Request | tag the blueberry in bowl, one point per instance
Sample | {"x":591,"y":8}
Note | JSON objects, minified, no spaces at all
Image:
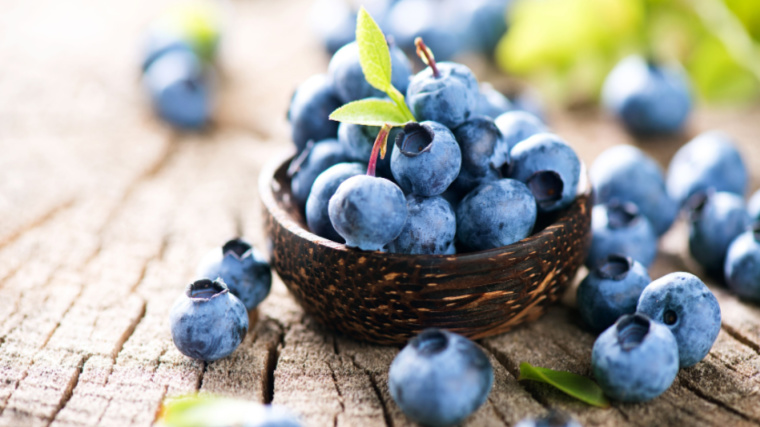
{"x":388,"y":298}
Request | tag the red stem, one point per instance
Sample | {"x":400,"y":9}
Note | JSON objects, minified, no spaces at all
{"x":378,"y":148}
{"x":426,"y":55}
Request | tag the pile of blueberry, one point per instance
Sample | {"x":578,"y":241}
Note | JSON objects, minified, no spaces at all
{"x":450,"y":27}
{"x":472,"y":174}
{"x":177,"y":65}
{"x":210,"y":320}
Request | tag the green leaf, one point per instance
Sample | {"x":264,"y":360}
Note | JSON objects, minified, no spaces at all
{"x":374,"y":56}
{"x":370,"y":112}
{"x":577,"y":386}
{"x":206,"y":411}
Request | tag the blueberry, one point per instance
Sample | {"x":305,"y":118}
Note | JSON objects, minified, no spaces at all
{"x":611,"y":290}
{"x":619,"y":228}
{"x":368,"y":212}
{"x":345,"y":70}
{"x":270,"y":416}
{"x":549,"y":167}
{"x":753,"y":206}
{"x":440,"y":378}
{"x":243,"y":269}
{"x":742,"y":267}
{"x":426,"y":160}
{"x":485,"y":22}
{"x":430,"y":227}
{"x":408,"y":19}
{"x":715,"y":219}
{"x":710,"y":160}
{"x":491,"y":102}
{"x":324,"y":187}
{"x":517,"y":126}
{"x":314,"y":160}
{"x":553,"y":419}
{"x":359,"y":140}
{"x":635,"y":360}
{"x":179,"y":89}
{"x":686,"y":306}
{"x":647,"y":97}
{"x":334,"y":22}
{"x":207,"y":321}
{"x":484,"y":153}
{"x":160,"y":41}
{"x":310,"y":108}
{"x":495,"y":214}
{"x":625,"y":173}
{"x":447,"y":96}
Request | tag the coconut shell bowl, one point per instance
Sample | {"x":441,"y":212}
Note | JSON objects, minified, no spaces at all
{"x":388,"y":298}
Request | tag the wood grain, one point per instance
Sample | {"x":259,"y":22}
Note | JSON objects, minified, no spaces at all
{"x":104,"y":212}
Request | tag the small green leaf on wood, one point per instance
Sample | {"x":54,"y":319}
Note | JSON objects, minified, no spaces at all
{"x":577,"y":386}
{"x":370,"y":112}
{"x":374,"y":55}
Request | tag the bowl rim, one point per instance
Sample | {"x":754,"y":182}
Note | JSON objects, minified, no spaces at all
{"x":267,"y":195}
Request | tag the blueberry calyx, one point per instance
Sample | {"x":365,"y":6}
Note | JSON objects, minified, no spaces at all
{"x":427,"y":56}
{"x":236,"y":247}
{"x":430,"y":342}
{"x":632,"y":329}
{"x":205,"y":289}
{"x":415,"y":139}
{"x":670,"y":318}
{"x":546,"y":187}
{"x":616,"y":267}
{"x":621,"y":215}
{"x":756,"y":230}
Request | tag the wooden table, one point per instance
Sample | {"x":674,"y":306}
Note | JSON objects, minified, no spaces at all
{"x":104,"y":213}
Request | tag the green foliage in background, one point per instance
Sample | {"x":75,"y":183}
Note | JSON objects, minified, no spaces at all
{"x":569,"y":46}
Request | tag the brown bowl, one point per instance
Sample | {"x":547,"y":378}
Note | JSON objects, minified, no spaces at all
{"x":388,"y":298}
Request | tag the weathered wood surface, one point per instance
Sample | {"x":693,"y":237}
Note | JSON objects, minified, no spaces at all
{"x":104,"y":213}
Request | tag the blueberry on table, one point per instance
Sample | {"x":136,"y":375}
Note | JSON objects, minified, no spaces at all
{"x":648,"y":98}
{"x":440,"y":378}
{"x":742,"y":267}
{"x":324,"y":187}
{"x":627,"y":174}
{"x":312,"y":161}
{"x":244,"y":270}
{"x":491,"y":102}
{"x":619,"y":228}
{"x":310,"y":110}
{"x":715,"y":219}
{"x":347,"y":76}
{"x":611,"y":290}
{"x":549,"y":167}
{"x":159,"y":42}
{"x":444,"y":92}
{"x":553,"y":419}
{"x":495,"y":214}
{"x":686,"y":306}
{"x":636,"y":359}
{"x":430,"y":227}
{"x":179,"y":89}
{"x":517,"y":126}
{"x":426,"y":159}
{"x":271,"y":416}
{"x":485,"y":154}
{"x":367,"y":211}
{"x":207,"y":321}
{"x":710,"y":160}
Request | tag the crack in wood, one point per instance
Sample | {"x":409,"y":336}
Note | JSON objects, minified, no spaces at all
{"x":69,"y":390}
{"x":507,"y":364}
{"x":338,"y":390}
{"x":688,"y":384}
{"x":199,"y":383}
{"x":40,"y":221}
{"x":373,"y":382}
{"x":738,"y":336}
{"x":273,"y":356}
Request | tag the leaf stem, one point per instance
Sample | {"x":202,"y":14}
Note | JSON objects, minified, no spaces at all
{"x":398,"y":98}
{"x":378,"y":148}
{"x":426,"y":55}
